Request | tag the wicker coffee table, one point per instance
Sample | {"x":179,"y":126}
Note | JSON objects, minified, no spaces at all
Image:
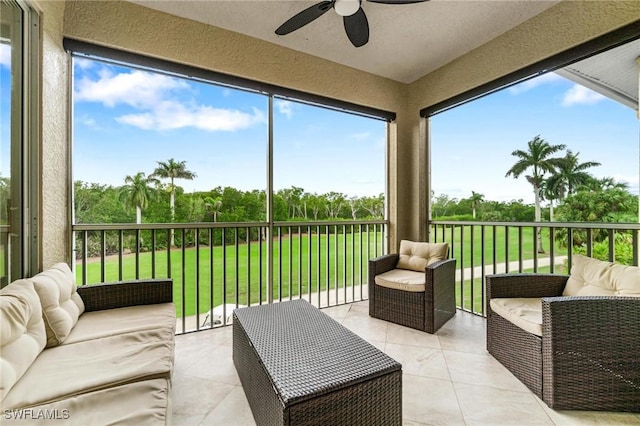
{"x":298,"y":366}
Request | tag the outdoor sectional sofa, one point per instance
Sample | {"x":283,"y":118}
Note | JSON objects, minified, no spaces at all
{"x":573,"y":340}
{"x":98,"y":354}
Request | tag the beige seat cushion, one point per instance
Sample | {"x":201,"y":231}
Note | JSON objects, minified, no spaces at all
{"x":143,"y":403}
{"x":22,"y":333}
{"x":526,"y":313}
{"x":68,"y":370}
{"x":401,"y":279}
{"x":416,"y":256}
{"x":109,"y":322}
{"x":593,"y":277}
{"x":61,"y":303}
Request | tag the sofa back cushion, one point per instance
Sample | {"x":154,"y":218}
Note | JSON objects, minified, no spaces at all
{"x":61,"y":303}
{"x":416,"y":256}
{"x":593,"y":277}
{"x":22,"y":332}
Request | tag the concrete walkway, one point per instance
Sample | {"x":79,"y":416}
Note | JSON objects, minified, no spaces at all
{"x":361,"y":292}
{"x":513,"y":267}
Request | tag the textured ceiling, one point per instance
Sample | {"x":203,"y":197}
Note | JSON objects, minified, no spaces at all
{"x":406,"y":41}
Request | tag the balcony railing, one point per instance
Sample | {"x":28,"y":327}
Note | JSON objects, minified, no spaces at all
{"x":483,"y":248}
{"x":219,"y":266}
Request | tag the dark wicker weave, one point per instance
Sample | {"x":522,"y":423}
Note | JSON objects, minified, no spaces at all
{"x":298,"y":366}
{"x":426,"y":311}
{"x":589,"y":355}
{"x":126,"y":293}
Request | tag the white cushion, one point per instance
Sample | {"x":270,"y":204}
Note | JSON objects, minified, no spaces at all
{"x":401,"y":279}
{"x":109,"y":322}
{"x":593,"y":277}
{"x":526,"y":313}
{"x":136,"y":404}
{"x":22,"y":333}
{"x":417,"y":256}
{"x":68,"y":370}
{"x":61,"y":303}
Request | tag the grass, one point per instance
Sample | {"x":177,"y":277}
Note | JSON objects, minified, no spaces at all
{"x":505,"y":243}
{"x":303,"y":264}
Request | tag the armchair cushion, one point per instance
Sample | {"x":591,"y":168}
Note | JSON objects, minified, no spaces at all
{"x":417,"y":256}
{"x":61,"y":303}
{"x":401,"y":279}
{"x":593,"y":277}
{"x":524,"y":312}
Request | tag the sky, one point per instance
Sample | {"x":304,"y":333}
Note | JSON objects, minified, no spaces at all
{"x":126,"y":120}
{"x":472,"y":144}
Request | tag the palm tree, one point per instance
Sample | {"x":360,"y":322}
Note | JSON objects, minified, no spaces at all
{"x":172,"y":170}
{"x":538,"y":158}
{"x":137,"y":192}
{"x":570,"y":174}
{"x":550,"y":192}
{"x":213,"y":205}
{"x":476,"y":199}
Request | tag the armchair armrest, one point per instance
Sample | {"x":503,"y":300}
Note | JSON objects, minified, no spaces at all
{"x":382,"y":264}
{"x":590,"y":347}
{"x":378,"y":266}
{"x":126,"y":293}
{"x":525,"y":285}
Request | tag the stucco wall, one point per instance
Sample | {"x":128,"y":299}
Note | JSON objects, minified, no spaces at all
{"x":54,"y":185}
{"x":134,"y":28}
{"x":555,"y":30}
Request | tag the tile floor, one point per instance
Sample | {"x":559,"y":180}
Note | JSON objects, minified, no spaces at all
{"x":448,"y":378}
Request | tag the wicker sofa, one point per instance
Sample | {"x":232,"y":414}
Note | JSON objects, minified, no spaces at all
{"x":414,"y":288}
{"x":573,"y":340}
{"x":100,"y":354}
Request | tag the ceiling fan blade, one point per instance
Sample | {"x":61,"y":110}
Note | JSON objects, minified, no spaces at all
{"x":397,"y":1}
{"x":303,"y":18}
{"x":357,"y":28}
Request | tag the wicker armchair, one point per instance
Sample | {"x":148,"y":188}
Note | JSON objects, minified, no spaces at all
{"x":587,"y":357}
{"x":425,"y":310}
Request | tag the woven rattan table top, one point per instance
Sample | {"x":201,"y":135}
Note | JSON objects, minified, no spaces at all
{"x":306,"y":352}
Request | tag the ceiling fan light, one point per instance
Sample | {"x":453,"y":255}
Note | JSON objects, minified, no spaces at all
{"x":346,"y":7}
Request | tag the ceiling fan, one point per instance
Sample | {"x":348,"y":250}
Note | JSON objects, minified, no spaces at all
{"x":355,"y":21}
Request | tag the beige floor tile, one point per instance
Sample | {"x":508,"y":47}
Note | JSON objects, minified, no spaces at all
{"x":418,"y":361}
{"x":590,"y":418}
{"x":193,"y":397}
{"x":482,"y":405}
{"x":410,"y":337}
{"x":482,"y":370}
{"x":439,"y":385}
{"x":217,"y":365}
{"x":463,"y":333}
{"x":234,"y":410}
{"x":429,"y":401}
{"x":338,"y":312}
{"x":365,"y":327}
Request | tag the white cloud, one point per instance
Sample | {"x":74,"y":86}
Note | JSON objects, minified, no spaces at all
{"x":87,"y":121}
{"x":5,"y":55}
{"x":360,"y":136}
{"x":170,"y":115}
{"x":580,"y":95}
{"x":155,"y":96}
{"x":83,"y":64}
{"x":525,"y":86}
{"x":284,"y":107}
{"x":138,"y":89}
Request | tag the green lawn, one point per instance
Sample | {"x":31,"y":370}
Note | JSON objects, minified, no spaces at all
{"x":462,"y":248}
{"x":243,"y":277}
